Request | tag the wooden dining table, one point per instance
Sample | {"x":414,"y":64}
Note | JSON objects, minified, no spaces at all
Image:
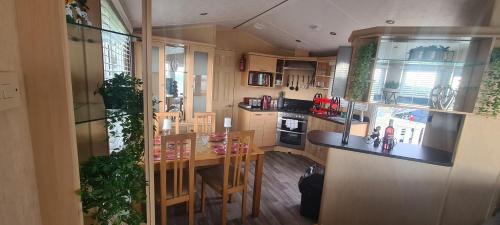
{"x":205,"y":156}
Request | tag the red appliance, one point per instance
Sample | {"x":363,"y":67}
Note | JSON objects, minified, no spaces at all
{"x":266,"y":102}
{"x":325,"y":106}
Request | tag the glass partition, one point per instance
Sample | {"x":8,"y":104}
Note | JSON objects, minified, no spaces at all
{"x":434,"y":73}
{"x":175,"y":79}
{"x":200,"y":79}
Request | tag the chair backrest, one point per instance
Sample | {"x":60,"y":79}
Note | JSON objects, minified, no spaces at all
{"x":239,"y":146}
{"x":174,"y":116}
{"x":174,"y":151}
{"x":204,"y":122}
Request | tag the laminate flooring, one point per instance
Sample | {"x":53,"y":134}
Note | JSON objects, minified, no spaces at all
{"x":280,"y":199}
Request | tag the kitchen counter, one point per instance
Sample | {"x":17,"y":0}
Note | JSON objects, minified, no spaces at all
{"x":338,"y":120}
{"x":403,"y":151}
{"x":244,"y":106}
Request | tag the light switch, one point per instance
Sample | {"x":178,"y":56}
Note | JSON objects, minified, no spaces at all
{"x":9,"y":90}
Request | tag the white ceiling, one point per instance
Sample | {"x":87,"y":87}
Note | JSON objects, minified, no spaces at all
{"x":291,"y":20}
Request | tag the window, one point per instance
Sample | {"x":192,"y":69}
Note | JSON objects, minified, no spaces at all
{"x":416,"y":86}
{"x":117,"y":58}
{"x":116,"y":48}
{"x":409,"y":124}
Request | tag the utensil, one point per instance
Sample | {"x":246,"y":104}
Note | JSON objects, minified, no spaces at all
{"x":288,"y":82}
{"x":304,"y":83}
{"x":307,"y":85}
{"x":297,"y":86}
{"x":291,"y":87}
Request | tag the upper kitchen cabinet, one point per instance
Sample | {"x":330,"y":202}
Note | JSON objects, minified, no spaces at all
{"x":260,"y":70}
{"x":325,"y":72}
{"x":440,"y":68}
{"x":262,"y":63}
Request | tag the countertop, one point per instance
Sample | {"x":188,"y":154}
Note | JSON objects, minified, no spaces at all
{"x":338,"y":120}
{"x":403,"y":151}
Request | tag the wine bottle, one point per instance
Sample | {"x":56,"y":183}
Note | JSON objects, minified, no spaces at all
{"x":388,"y":142}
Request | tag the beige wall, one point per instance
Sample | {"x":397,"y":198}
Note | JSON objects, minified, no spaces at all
{"x":18,"y":190}
{"x":94,"y":12}
{"x":44,"y":59}
{"x":197,"y":33}
{"x":473,"y":182}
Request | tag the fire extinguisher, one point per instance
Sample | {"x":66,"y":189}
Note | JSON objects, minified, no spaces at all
{"x":242,"y":63}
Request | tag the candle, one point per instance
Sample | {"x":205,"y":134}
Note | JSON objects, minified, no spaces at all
{"x":167,"y":124}
{"x":227,"y":122}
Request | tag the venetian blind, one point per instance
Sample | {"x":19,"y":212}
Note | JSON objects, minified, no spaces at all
{"x":116,"y":48}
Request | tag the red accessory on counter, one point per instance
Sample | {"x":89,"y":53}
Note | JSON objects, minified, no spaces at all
{"x":242,"y":63}
{"x":325,"y":106}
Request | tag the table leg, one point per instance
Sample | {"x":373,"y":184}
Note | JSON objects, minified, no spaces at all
{"x":257,"y":185}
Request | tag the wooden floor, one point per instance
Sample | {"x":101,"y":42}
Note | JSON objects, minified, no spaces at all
{"x":279,"y":202}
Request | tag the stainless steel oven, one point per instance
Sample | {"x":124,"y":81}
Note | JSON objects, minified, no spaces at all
{"x":291,"y":130}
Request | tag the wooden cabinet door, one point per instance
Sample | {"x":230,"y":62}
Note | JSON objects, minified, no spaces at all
{"x":262,"y":63}
{"x":200,"y":64}
{"x":257,"y":124}
{"x":269,"y":129}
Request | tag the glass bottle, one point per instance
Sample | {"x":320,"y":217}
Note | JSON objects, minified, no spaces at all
{"x":388,"y":142}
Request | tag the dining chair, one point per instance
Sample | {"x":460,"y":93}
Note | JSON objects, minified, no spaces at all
{"x":174,"y":116}
{"x":175,"y":185}
{"x":204,"y":122}
{"x":229,"y":178}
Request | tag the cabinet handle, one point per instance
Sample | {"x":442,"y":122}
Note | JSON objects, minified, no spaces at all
{"x":258,"y":114}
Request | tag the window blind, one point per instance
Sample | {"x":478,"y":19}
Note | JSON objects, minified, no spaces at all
{"x":117,"y":56}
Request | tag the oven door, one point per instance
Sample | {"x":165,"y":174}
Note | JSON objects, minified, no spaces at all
{"x":291,"y":139}
{"x":291,"y":124}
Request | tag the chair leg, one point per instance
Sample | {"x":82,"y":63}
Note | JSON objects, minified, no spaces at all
{"x":202,"y":196}
{"x":163,"y":215}
{"x":191,"y":210}
{"x":244,"y":207}
{"x":224,"y":208}
{"x":230,"y":198}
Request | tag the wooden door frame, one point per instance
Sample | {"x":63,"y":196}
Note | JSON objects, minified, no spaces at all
{"x":148,"y":110}
{"x":161,"y":74}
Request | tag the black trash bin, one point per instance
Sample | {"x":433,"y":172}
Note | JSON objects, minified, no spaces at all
{"x":311,"y":188}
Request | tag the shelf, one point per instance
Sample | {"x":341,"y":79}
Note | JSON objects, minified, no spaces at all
{"x":77,"y":25}
{"x":428,"y":63}
{"x":298,"y":68}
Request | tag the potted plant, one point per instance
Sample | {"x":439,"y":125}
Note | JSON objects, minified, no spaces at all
{"x":391,"y":88}
{"x":489,"y":101}
{"x":363,"y":64}
{"x":112,"y":186}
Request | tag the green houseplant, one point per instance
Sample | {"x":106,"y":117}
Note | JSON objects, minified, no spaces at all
{"x":394,"y":85}
{"x":113,"y":185}
{"x":489,"y":100}
{"x":362,"y":71}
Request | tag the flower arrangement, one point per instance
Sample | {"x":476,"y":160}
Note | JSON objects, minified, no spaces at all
{"x":76,"y":12}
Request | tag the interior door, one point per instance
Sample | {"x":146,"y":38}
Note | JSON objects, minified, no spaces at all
{"x":223,"y":97}
{"x":200,"y":80}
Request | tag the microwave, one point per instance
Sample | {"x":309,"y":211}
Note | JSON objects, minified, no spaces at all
{"x":263,"y":79}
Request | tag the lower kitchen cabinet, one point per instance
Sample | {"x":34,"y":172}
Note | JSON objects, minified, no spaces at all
{"x":263,"y":123}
